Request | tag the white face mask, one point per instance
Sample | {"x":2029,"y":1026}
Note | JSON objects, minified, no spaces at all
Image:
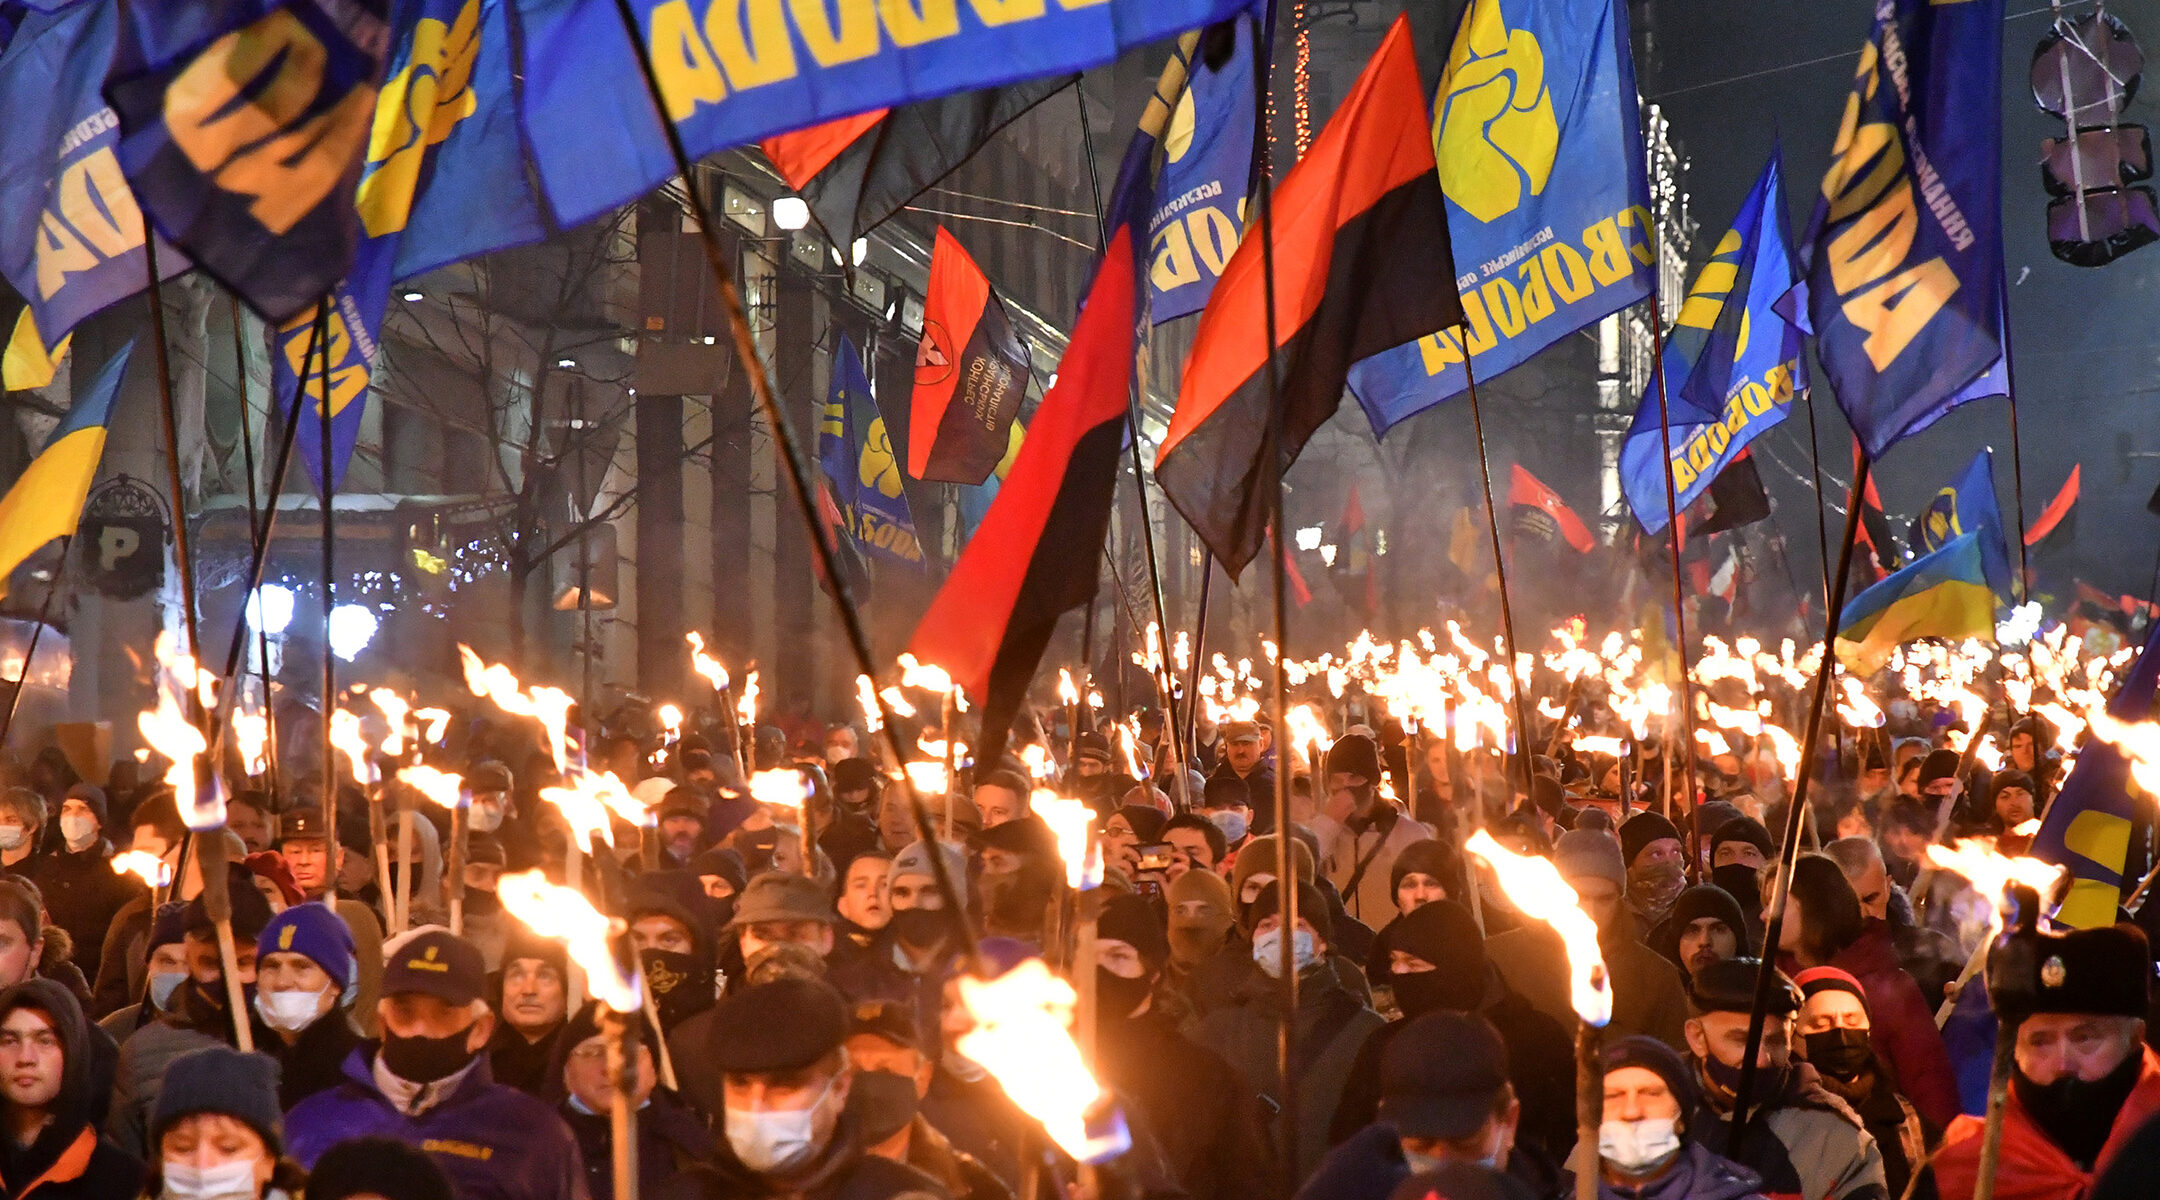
{"x":1638,"y":1147}
{"x":78,"y":829}
{"x":162,"y":986}
{"x":226,"y":1181}
{"x":1231,"y":822}
{"x":484,"y":818}
{"x":290,"y":1012}
{"x":963,"y":1068}
{"x":768,"y":1142}
{"x":1267,"y":951}
{"x":12,"y":837}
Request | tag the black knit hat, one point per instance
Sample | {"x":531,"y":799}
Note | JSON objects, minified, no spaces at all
{"x":1642,"y":829}
{"x":377,"y":1166}
{"x":219,"y":1079}
{"x":854,"y":775}
{"x":1939,"y":764}
{"x":1132,"y":920}
{"x":1354,"y":754}
{"x":1655,"y":1056}
{"x":1742,"y":829}
{"x":1429,"y":857}
{"x":94,"y":796}
{"x":784,"y":1025}
{"x":250,"y":912}
{"x":1728,"y":985}
{"x":1312,"y":907}
{"x":1709,"y":900}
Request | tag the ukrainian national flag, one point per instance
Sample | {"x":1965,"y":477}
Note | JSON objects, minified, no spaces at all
{"x":1944,"y":594}
{"x":47,"y":501}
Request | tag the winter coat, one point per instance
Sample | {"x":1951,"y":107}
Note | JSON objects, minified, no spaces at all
{"x":1647,"y":994}
{"x":122,"y":961}
{"x":69,"y":1159}
{"x":980,"y":1121}
{"x":494,"y":1142}
{"x":1218,"y":980}
{"x":1696,"y":1175}
{"x":1820,"y":1151}
{"x":1332,"y":1024}
{"x":1541,"y":1067}
{"x":2032,"y":1167}
{"x":1374,"y":842}
{"x":1259,"y":794}
{"x":140,"y":1075}
{"x":963,"y":1178}
{"x":1902,"y":1026}
{"x":315,"y":1062}
{"x":670,"y":1140}
{"x":843,"y":1172}
{"x":523,"y":1065}
{"x":1205,"y":1119}
{"x":83,"y":895}
{"x":1371,"y":1164}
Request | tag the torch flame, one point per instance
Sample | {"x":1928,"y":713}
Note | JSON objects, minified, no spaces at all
{"x":926,"y":676}
{"x":670,"y":720}
{"x":1535,"y":887}
{"x":155,"y":872}
{"x":1023,"y":1036}
{"x":928,"y":777}
{"x":783,"y":786}
{"x":1991,"y":872}
{"x":345,"y":736}
{"x":394,"y":711}
{"x":437,"y":720}
{"x":440,"y":786}
{"x":251,"y":731}
{"x":1068,"y":691}
{"x":566,"y":915}
{"x":1068,"y":819}
{"x":705,"y":664}
{"x":550,"y":706}
{"x":170,"y":732}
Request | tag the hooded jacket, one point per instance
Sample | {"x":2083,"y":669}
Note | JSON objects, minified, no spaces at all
{"x":1374,"y":840}
{"x":1820,"y":1151}
{"x":69,"y":1158}
{"x":494,"y":1142}
{"x":1697,"y":1174}
{"x":1902,"y":1026}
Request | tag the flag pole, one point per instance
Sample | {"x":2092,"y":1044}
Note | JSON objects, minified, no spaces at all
{"x":1822,"y":526}
{"x":1168,"y":88}
{"x":1199,"y":651}
{"x":247,"y":452}
{"x":1507,"y":618}
{"x":329,"y":660}
{"x":788,"y":451}
{"x":1278,"y":589}
{"x":1788,"y":850}
{"x":169,"y":417}
{"x":22,"y":677}
{"x":2017,"y":451}
{"x":1686,"y":690}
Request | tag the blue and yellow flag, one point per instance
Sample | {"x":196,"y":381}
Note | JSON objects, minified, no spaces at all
{"x":47,"y":501}
{"x":862,"y":471}
{"x":1200,"y":193}
{"x":71,"y":236}
{"x":241,"y":126}
{"x":1537,"y":135}
{"x":1904,"y":284}
{"x":1731,"y":362}
{"x":2087,"y":826}
{"x":1967,"y":505}
{"x":443,"y":180}
{"x":730,"y":81}
{"x":1944,"y":594}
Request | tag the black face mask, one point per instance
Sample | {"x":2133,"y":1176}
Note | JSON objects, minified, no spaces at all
{"x":425,"y":1059}
{"x":674,"y":978}
{"x":1770,"y":1082}
{"x":1840,"y":1053}
{"x":920,"y":927}
{"x":479,"y":902}
{"x":885,"y":1101}
{"x":2076,"y":1115}
{"x":1117,"y":996}
{"x":1421,"y":992}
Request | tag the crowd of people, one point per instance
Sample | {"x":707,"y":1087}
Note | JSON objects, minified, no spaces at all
{"x":804,"y":1030}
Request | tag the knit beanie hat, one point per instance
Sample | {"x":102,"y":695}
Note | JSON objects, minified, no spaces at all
{"x":1655,"y":1056}
{"x":316,"y":932}
{"x":1132,"y":920}
{"x":1585,"y":854}
{"x":377,"y":1166}
{"x":1642,"y":829}
{"x":219,"y":1079}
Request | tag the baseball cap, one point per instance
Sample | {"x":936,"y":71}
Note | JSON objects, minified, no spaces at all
{"x":1440,"y":1076}
{"x":432,"y":961}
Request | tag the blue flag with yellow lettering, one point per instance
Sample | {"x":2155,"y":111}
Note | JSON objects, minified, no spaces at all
{"x":442,"y":179}
{"x":1731,"y":362}
{"x":71,"y":236}
{"x":2087,"y":826}
{"x":730,"y":81}
{"x":1541,"y":157}
{"x":1200,"y":193}
{"x":861,"y":470}
{"x":1967,"y":505}
{"x":1904,"y":281}
{"x":241,"y":125}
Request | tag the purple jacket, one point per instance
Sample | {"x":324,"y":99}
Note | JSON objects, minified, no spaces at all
{"x":494,"y":1142}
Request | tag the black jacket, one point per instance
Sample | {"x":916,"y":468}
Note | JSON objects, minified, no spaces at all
{"x":83,"y":895}
{"x":670,"y":1140}
{"x":315,"y":1062}
{"x":844,"y":1172}
{"x":1206,"y":1119}
{"x":524,"y":1065}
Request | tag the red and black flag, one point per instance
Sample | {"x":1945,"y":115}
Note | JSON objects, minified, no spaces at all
{"x":1736,"y":497}
{"x":1037,"y":552}
{"x":971,"y":372}
{"x":1355,"y":578}
{"x":858,"y":171}
{"x":1360,"y":237}
{"x":2059,"y":519}
{"x":1875,"y":533}
{"x":1541,"y":514}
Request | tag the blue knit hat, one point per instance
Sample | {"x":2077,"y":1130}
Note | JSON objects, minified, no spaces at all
{"x":318,"y":933}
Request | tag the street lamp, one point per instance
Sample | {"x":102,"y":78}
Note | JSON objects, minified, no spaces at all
{"x":791,"y":213}
{"x":270,"y":609}
{"x":352,"y":627}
